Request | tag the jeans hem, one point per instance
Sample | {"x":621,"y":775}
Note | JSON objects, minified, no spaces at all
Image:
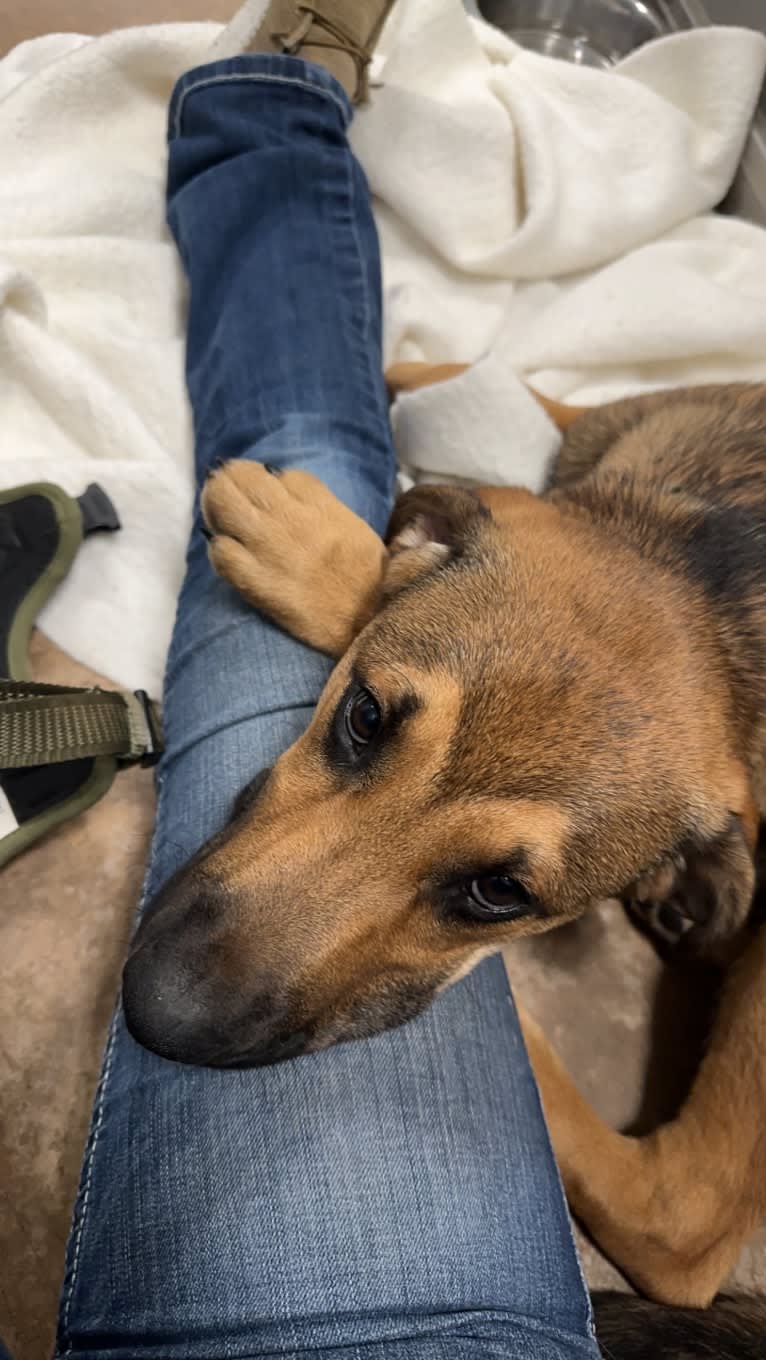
{"x":292,"y":72}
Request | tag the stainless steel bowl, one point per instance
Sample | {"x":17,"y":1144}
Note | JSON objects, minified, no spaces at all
{"x":600,"y":32}
{"x":587,"y":32}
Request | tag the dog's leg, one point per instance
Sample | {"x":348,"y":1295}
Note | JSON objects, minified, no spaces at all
{"x":673,"y":1209}
{"x":294,"y":551}
{"x":410,"y":377}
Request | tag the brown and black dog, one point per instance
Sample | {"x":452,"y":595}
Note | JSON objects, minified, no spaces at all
{"x":540,"y":702}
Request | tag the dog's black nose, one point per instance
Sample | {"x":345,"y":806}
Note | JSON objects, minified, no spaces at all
{"x":167,"y":1009}
{"x":177,"y":1005}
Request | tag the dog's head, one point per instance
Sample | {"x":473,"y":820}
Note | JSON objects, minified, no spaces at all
{"x":520,"y":730}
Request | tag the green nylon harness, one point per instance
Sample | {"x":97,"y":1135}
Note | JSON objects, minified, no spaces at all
{"x":48,"y":724}
{"x":60,"y":746}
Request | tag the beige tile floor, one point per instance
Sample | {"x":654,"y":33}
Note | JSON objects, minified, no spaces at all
{"x":65,"y":913}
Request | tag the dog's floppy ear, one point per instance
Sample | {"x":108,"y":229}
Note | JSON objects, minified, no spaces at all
{"x":430,"y":526}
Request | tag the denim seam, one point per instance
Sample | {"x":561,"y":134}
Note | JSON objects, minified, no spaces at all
{"x":234,"y":78}
{"x":81,"y":1209}
{"x":373,"y":377}
{"x":589,"y":1318}
{"x":157,"y":847}
{"x":91,"y":1153}
{"x":367,"y":310}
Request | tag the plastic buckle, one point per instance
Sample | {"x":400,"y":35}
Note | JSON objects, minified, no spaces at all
{"x":156,"y":743}
{"x":98,"y":513}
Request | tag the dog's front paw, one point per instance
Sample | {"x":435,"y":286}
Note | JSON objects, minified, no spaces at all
{"x":656,"y":903}
{"x":292,"y":550}
{"x":697,"y":902}
{"x":662,"y":920}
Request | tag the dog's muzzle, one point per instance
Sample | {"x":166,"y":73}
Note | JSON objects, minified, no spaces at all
{"x":183,"y":992}
{"x":177,"y":1004}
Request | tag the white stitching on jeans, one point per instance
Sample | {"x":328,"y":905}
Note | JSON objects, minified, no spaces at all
{"x":252,"y":75}
{"x":589,"y":1317}
{"x":99,"y":1118}
{"x":351,"y":189}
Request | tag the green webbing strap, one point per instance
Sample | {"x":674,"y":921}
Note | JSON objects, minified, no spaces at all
{"x":48,"y":724}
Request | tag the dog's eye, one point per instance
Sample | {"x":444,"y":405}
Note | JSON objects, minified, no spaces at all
{"x":363,"y":717}
{"x":497,"y":897}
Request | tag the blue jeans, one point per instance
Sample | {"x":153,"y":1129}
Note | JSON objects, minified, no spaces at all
{"x":395,"y":1197}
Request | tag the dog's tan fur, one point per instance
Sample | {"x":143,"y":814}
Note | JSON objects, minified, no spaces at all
{"x":574,"y":685}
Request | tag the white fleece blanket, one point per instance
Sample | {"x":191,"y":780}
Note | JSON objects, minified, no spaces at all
{"x":549,"y":221}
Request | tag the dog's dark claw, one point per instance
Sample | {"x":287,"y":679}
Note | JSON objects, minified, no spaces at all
{"x":671,"y":920}
{"x":274,"y":471}
{"x":206,"y":533}
{"x":664,"y":921}
{"x":215,"y":466}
